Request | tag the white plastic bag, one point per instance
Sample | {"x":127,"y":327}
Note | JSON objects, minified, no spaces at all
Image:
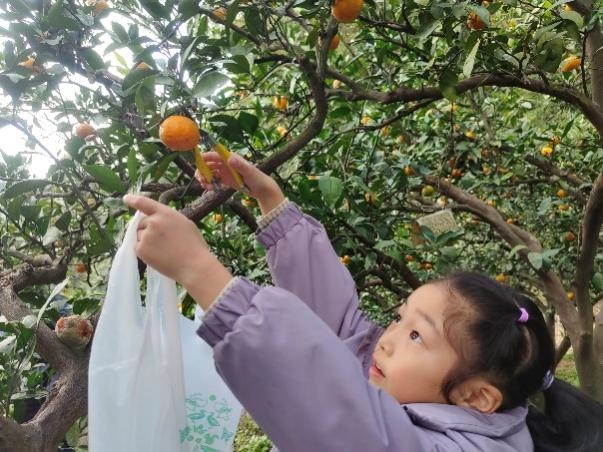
{"x":212,"y":411}
{"x":141,"y":396}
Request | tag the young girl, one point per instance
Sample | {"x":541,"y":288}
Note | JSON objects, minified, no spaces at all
{"x":452,"y":373}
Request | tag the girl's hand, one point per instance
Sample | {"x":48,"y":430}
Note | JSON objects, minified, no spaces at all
{"x":171,"y":244}
{"x":260,"y":185}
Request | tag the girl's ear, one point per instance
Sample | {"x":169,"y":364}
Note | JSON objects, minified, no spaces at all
{"x":479,"y":394}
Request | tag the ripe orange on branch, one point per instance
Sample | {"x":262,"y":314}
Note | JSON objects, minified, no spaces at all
{"x":28,"y":63}
{"x":346,"y":10}
{"x":179,"y":133}
{"x":220,"y":13}
{"x":570,"y":64}
{"x":474,"y":22}
{"x":334,"y":42}
{"x":84,"y":130}
{"x":280,"y":102}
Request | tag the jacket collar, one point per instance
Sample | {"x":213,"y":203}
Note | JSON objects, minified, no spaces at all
{"x":441,"y":417}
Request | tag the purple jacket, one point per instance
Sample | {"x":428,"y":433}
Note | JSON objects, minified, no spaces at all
{"x":297,"y":355}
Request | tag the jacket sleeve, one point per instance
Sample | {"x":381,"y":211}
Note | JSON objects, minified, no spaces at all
{"x":303,"y":261}
{"x":297,"y":379}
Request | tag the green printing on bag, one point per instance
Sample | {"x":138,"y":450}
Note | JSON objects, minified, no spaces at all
{"x":206,"y":419}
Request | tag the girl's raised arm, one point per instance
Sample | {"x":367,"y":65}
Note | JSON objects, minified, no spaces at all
{"x":300,"y":255}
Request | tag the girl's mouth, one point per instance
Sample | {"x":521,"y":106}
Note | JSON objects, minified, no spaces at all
{"x":375,"y":370}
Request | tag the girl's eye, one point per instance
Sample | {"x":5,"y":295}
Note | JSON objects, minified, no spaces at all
{"x":397,"y":318}
{"x":415,"y":336}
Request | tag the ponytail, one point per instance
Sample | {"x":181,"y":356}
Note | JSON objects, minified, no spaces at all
{"x":571,"y":421}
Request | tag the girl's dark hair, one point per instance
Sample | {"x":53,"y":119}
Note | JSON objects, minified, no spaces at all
{"x":483,"y":325}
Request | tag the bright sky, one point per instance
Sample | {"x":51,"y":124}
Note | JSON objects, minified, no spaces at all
{"x":13,"y":141}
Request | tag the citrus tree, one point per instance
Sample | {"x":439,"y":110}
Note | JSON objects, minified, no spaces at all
{"x":371,"y":116}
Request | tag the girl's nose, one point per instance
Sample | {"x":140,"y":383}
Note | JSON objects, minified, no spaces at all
{"x":385,"y":344}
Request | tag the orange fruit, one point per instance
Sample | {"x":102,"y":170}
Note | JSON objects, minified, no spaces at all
{"x":28,"y":63}
{"x":282,"y":131}
{"x":401,"y":139}
{"x":346,"y":10}
{"x":365,"y":120}
{"x":217,"y":218}
{"x":84,"y":130}
{"x":426,"y":265}
{"x":470,"y":134}
{"x":409,"y":258}
{"x":142,"y":65}
{"x":408,"y":170}
{"x":456,"y":173}
{"x":334,"y":42}
{"x":569,"y":236}
{"x":501,"y":278}
{"x":563,"y":207}
{"x":427,"y":191}
{"x":510,"y":221}
{"x":220,"y":13}
{"x":81,"y":268}
{"x":567,"y":7}
{"x":491,"y":202}
{"x":179,"y":133}
{"x":385,"y":131}
{"x":571,"y":296}
{"x":474,"y":22}
{"x":561,"y":193}
{"x":336,"y":84}
{"x":345,"y":259}
{"x":546,"y":151}
{"x":247,"y":202}
{"x":571,"y":63}
{"x":280,"y":102}
{"x":100,"y":6}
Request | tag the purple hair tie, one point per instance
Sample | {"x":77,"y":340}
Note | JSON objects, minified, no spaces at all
{"x":524,"y":316}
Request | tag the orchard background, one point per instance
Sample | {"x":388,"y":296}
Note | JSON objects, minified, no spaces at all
{"x":489,"y":109}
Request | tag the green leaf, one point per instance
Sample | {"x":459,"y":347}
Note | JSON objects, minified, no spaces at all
{"x":156,"y":9}
{"x":63,"y":221}
{"x":137,"y":77}
{"x":448,"y":81}
{"x":107,"y":179}
{"x":470,"y":61}
{"x":253,"y":21}
{"x":535,"y":260}
{"x":209,"y":84}
{"x":598,"y":281}
{"x":120,"y":32}
{"x":132,"y":166}
{"x":249,"y":122}
{"x":59,"y":17}
{"x":574,"y":17}
{"x":24,"y":186}
{"x":93,"y":60}
{"x":331,"y":188}
{"x":188,"y":8}
{"x":30,"y":213}
{"x":515,"y":250}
